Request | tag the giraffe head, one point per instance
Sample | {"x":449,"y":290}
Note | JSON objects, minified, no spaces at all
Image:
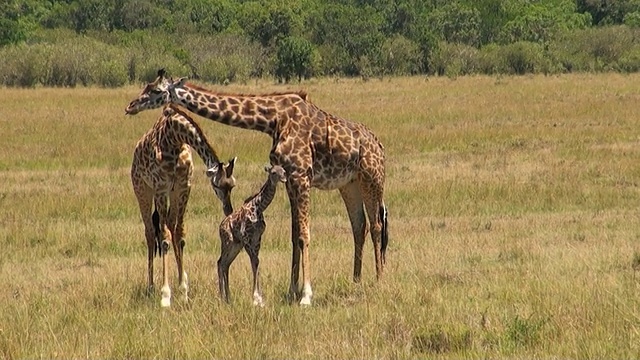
{"x":155,"y":94}
{"x":276,"y":173}
{"x":222,"y":181}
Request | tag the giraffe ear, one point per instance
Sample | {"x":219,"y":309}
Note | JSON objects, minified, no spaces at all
{"x":229,"y":169}
{"x":180,"y":82}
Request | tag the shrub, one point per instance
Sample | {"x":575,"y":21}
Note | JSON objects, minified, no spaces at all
{"x":454,"y":60}
{"x":523,"y":57}
{"x":489,"y":60}
{"x":22,"y":65}
{"x":630,"y":61}
{"x":596,"y":49}
{"x":220,"y":58}
{"x":111,"y":73}
{"x":294,"y":57}
{"x":401,"y":56}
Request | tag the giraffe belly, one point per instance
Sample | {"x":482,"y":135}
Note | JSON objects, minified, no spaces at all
{"x":331,"y":180}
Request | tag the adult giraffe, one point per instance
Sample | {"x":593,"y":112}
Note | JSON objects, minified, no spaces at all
{"x":316,"y":149}
{"x":161,"y":174}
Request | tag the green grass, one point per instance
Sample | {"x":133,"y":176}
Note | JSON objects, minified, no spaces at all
{"x":513,"y":219}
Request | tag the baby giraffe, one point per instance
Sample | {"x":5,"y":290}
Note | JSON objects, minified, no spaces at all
{"x":244,"y":228}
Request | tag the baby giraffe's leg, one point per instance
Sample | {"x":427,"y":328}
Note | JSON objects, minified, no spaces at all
{"x":253,"y":250}
{"x":229,"y":249}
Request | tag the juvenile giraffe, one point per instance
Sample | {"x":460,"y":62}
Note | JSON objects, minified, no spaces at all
{"x":161,"y":174}
{"x":244,"y":228}
{"x":316,"y":149}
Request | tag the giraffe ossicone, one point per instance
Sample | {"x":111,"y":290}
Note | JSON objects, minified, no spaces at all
{"x":315,"y":148}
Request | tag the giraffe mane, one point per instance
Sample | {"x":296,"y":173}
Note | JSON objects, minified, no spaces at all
{"x":303,"y":94}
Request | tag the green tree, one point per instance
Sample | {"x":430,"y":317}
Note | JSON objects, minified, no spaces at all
{"x":294,"y":58}
{"x":268,"y":23}
{"x":541,"y":22}
{"x":351,"y":33}
{"x":205,"y":16}
{"x":93,"y":15}
{"x":456,"y":23}
{"x":139,"y":15}
{"x":607,"y":12}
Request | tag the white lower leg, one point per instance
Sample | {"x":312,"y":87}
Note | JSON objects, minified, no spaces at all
{"x":166,"y":296}
{"x":184,"y":286}
{"x":306,"y":294}
{"x":257,"y":299}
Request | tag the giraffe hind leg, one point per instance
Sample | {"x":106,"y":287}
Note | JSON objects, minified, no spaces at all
{"x":156,"y":231}
{"x":161,"y":205}
{"x":144,"y":196}
{"x":229,"y":250}
{"x":179,"y":200}
{"x":355,"y":209}
{"x":253,"y":250}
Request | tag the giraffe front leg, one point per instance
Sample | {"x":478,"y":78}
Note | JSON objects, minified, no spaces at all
{"x":165,"y":292}
{"x":301,"y":238}
{"x":179,"y":200}
{"x":298,"y":192}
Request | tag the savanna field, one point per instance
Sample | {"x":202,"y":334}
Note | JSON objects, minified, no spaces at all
{"x":513,"y":212}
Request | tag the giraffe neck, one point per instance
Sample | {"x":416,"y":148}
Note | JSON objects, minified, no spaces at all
{"x":263,"y":198}
{"x":242,"y":111}
{"x":189,"y":132}
{"x":227,"y":208}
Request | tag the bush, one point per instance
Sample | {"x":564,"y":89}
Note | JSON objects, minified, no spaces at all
{"x":597,"y":49}
{"x":454,"y":60}
{"x":111,"y":73}
{"x":401,"y":56}
{"x":523,"y":57}
{"x":489,"y":61}
{"x":294,"y":57}
{"x":220,"y":58}
{"x":630,"y":61}
{"x":22,"y":65}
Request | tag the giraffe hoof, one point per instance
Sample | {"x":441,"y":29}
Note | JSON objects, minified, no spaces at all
{"x":257,"y":301}
{"x":165,"y":302}
{"x":166,"y":297}
{"x":306,"y":301}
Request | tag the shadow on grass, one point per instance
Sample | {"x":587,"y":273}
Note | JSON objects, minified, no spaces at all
{"x":441,"y":339}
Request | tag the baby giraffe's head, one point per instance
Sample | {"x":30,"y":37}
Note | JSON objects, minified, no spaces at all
{"x":276,"y":173}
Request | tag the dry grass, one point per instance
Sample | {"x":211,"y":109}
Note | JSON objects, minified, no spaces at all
{"x":513,"y":215}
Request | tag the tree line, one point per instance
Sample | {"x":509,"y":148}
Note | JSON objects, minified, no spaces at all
{"x":115,"y":42}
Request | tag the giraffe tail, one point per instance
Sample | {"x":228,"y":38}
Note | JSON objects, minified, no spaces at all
{"x":385,"y":232}
{"x":156,"y":230}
